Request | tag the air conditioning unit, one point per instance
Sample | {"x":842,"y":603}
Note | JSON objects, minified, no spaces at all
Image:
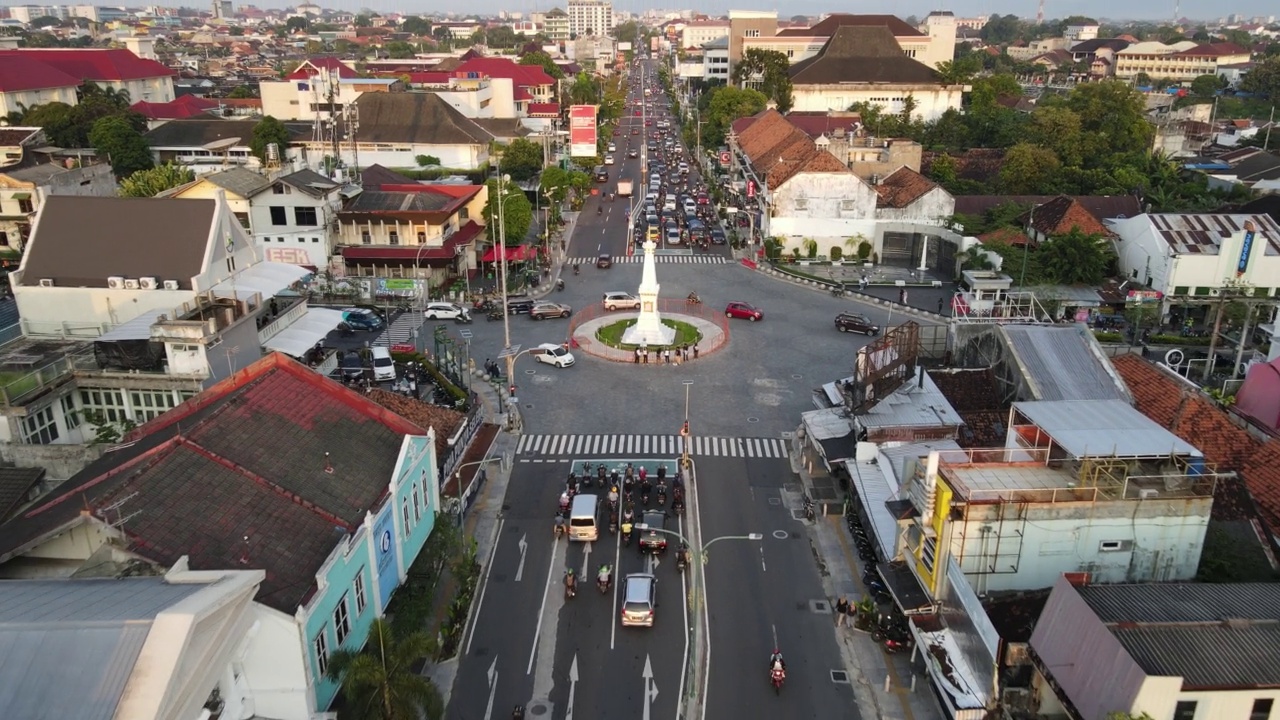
{"x":131,"y":284}
{"x":170,"y":284}
{"x":115,"y":282}
{"x":148,"y":283}
{"x":1148,"y":493}
{"x":46,"y":282}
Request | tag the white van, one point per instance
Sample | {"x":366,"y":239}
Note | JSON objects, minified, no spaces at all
{"x":583,"y":525}
{"x":384,"y":368}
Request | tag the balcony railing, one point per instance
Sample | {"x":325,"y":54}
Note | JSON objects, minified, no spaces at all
{"x":289,"y":314}
{"x":17,"y":387}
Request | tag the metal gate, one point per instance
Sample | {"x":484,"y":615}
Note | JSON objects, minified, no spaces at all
{"x":942,"y":257}
{"x":897,"y":250}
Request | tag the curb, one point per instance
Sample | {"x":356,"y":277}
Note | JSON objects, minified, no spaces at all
{"x":860,"y":297}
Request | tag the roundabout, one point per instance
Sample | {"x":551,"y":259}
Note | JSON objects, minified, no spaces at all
{"x":585,"y":336}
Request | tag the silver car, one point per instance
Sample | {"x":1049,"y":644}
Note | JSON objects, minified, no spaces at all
{"x":639,"y":600}
{"x":544,"y":310}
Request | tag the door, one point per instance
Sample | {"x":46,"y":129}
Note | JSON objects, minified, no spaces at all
{"x":896,"y":250}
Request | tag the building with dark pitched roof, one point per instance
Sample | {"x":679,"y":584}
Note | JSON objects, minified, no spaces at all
{"x":931,"y":44}
{"x":907,"y":196}
{"x":865,"y":64}
{"x":1060,"y":216}
{"x":275,"y":468}
{"x":209,"y":144}
{"x":1159,"y":650}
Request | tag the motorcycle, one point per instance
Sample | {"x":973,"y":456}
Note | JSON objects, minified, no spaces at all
{"x":837,"y":291}
{"x":599,"y":210}
{"x":570,"y":586}
{"x":576,"y":269}
{"x":626,"y":534}
{"x":776,"y":676}
{"x":604,"y":580}
{"x":808,"y":508}
{"x":681,"y":562}
{"x":560,"y":284}
{"x":463,"y":319}
{"x":693,"y":299}
{"x":559,"y":527}
{"x":662,"y":498}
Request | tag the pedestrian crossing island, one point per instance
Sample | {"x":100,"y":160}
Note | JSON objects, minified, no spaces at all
{"x":531,"y":447}
{"x":697,"y":259}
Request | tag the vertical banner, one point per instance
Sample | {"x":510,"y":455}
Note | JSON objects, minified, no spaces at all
{"x":582,"y":131}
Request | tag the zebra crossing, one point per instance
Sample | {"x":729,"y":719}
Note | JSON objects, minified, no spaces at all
{"x":700,"y":259}
{"x":576,"y":446}
{"x":401,"y":330}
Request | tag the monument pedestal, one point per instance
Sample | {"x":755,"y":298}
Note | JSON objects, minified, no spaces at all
{"x":649,"y":329}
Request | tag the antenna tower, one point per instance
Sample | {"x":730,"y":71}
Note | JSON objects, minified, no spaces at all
{"x":1040,"y":13}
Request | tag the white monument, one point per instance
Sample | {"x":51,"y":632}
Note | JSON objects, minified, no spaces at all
{"x":649,"y":329}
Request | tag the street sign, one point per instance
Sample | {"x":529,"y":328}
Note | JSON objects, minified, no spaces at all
{"x":402,"y":348}
{"x":394,"y":284}
{"x":465,"y":333}
{"x":510,"y":351}
{"x":724,"y":157}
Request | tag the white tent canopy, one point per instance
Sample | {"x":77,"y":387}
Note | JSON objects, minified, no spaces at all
{"x":303,"y":334}
{"x":266,"y":278}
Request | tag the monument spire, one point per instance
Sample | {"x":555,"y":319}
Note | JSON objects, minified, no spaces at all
{"x":649,"y":329}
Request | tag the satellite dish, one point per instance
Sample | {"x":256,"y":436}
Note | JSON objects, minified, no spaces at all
{"x":222,"y":144}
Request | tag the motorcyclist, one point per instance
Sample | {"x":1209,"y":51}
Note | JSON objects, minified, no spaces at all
{"x":599,"y":209}
{"x":662,"y":472}
{"x":572,"y":483}
{"x":693,"y":298}
{"x":627,"y":484}
{"x":575,"y":268}
{"x":613,"y":496}
{"x":564,"y":502}
{"x":644,"y":474}
{"x":626,"y":530}
{"x":605,"y":575}
{"x":682,"y":555}
{"x":559,"y":528}
{"x":775,"y":661}
{"x":518,"y":713}
{"x":645,"y":486}
{"x":630,"y":471}
{"x":570,"y":581}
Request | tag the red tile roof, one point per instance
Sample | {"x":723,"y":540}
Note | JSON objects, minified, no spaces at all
{"x":98,"y":65}
{"x":522,"y":94}
{"x":902,"y":188}
{"x":544,"y":110}
{"x":267,"y":469}
{"x":520,"y":75}
{"x":313,"y":66}
{"x":1061,"y":215}
{"x":1007,"y":236}
{"x":1213,"y":50}
{"x":1193,"y":417}
{"x":18,"y":73}
{"x":184,"y":107}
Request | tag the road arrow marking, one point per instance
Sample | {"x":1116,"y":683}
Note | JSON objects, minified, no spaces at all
{"x":650,"y":689}
{"x":493,"y":688}
{"x":586,"y":562}
{"x":573,"y":685}
{"x":524,"y":547}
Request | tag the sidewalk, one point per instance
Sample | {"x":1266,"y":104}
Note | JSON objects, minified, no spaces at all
{"x":870,"y":668}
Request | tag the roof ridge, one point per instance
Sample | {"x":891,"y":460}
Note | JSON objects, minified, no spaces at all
{"x":263,"y":482}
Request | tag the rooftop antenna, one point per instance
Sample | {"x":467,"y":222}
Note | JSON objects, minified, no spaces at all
{"x":1040,"y":13}
{"x":244,"y":551}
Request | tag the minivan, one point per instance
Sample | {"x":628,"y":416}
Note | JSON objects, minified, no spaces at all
{"x":582,"y":518}
{"x":384,"y":368}
{"x":362,"y":319}
{"x":639,"y":600}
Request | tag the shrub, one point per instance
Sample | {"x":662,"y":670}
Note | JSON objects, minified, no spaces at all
{"x":836,"y":254}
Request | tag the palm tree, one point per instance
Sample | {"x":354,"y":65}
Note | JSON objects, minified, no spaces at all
{"x":379,"y":682}
{"x":810,"y":246}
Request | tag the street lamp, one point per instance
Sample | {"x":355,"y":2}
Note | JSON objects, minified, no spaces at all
{"x":502,"y":267}
{"x":684,"y":431}
{"x":457,"y":476}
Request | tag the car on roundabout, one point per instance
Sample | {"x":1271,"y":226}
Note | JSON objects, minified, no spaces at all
{"x":856,"y":323}
{"x":546,"y":309}
{"x":618,"y":300}
{"x":442,"y":311}
{"x":552,"y":354}
{"x":743,"y":311}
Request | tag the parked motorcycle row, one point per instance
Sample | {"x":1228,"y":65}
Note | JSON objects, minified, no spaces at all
{"x":890,"y":629}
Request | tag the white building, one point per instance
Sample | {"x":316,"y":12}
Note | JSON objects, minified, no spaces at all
{"x":715,"y":60}
{"x":556,"y":25}
{"x":866,"y":65}
{"x":933,"y":43}
{"x":590,"y":17}
{"x":1192,"y":258}
{"x":118,"y":69}
{"x":1079,"y":33}
{"x":697,"y":33}
{"x":27,"y":13}
{"x":319,"y":88}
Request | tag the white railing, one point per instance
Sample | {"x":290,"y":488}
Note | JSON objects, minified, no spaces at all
{"x":329,"y":365}
{"x":275,"y":327}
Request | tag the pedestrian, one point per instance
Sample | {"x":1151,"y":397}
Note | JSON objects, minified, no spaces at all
{"x":695,"y":351}
{"x":636,"y":357}
{"x":842,"y":610}
{"x":939,"y":306}
{"x":902,"y":296}
{"x":666,"y":356}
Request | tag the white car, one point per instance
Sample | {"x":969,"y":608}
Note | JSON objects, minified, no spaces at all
{"x":552,"y":354}
{"x":608,"y":159}
{"x":442,"y":311}
{"x":621,"y":301}
{"x":613,"y":147}
{"x":673,"y":236}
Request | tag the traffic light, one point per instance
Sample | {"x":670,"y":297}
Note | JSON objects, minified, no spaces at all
{"x":684,"y":431}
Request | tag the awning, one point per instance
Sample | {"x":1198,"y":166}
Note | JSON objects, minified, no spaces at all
{"x":22,"y":196}
{"x":138,"y":328}
{"x":514,"y":254}
{"x":266,"y":278}
{"x":303,"y":334}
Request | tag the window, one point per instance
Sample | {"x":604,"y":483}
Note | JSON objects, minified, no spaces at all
{"x":40,"y":427}
{"x":393,"y":237}
{"x":1261,"y":709}
{"x":802,"y":203}
{"x":341,"y":621}
{"x":365,"y":237}
{"x":4,"y":239}
{"x":71,"y":416}
{"x":751,"y":34}
{"x":417,"y":507}
{"x":305,"y":216}
{"x":108,"y":402}
{"x":1111,"y":546}
{"x":321,"y":646}
{"x":25,"y":206}
{"x":1181,"y":290}
{"x":278,"y":188}
{"x":1202,"y":291}
{"x":464,"y":215}
{"x":422,"y":238}
{"x":405,"y":511}
{"x":791,"y":53}
{"x":149,"y":404}
{"x":359,"y":589}
{"x":315,"y":240}
{"x":927,"y":552}
{"x":278,"y":216}
{"x":1184,"y":710}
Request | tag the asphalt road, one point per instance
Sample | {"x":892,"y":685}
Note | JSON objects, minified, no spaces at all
{"x":527,"y":640}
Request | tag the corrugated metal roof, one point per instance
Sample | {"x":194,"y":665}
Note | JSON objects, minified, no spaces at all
{"x":916,"y":404}
{"x":43,"y":601}
{"x":1202,"y":234}
{"x":1207,"y":656}
{"x":1061,"y":364}
{"x":1183,"y":602}
{"x":68,"y":647}
{"x":1103,"y":427}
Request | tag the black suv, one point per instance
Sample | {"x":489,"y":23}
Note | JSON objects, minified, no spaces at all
{"x":650,"y":541}
{"x":853,"y":322}
{"x":519,"y":306}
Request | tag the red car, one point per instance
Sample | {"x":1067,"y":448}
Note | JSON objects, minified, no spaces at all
{"x":741,"y":310}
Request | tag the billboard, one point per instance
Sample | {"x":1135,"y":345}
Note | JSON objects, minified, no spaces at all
{"x":582,"y":131}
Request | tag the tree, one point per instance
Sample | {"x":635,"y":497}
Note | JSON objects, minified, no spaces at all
{"x":152,"y":182}
{"x":59,"y":123}
{"x":1026,"y":169}
{"x":628,"y":31}
{"x":297,"y":23}
{"x":1001,"y":30}
{"x":1264,"y":78}
{"x":379,"y":682}
{"x":724,"y":105}
{"x":516,"y":216}
{"x":236,"y":32}
{"x":399,"y":50}
{"x":415,"y":25}
{"x":363,"y":21}
{"x":1206,"y":86}
{"x":1056,"y":128}
{"x":480,"y":37}
{"x":1113,"y":117}
{"x":522,"y":159}
{"x":544,"y":60}
{"x":769,"y":71}
{"x":959,"y":71}
{"x":268,"y":131}
{"x":584,"y":90}
{"x":117,"y":140}
{"x":45,"y":21}
{"x":426,"y":160}
{"x":1075,"y":259}
{"x":241,"y":92}
{"x":501,"y":36}
{"x":443,"y":36}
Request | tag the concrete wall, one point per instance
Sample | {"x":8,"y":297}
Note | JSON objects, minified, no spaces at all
{"x":933,"y":209}
{"x":275,"y":682}
{"x":931,"y":100}
{"x":90,"y":180}
{"x":60,"y":462}
{"x":827,"y":196}
{"x":292,"y":243}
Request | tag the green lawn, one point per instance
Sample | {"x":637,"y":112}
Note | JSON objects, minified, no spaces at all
{"x":18,"y":384}
{"x":611,"y":334}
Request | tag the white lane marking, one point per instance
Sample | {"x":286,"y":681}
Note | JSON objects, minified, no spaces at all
{"x":471,"y":632}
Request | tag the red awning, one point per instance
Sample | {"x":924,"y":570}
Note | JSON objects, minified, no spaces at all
{"x":517,"y":253}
